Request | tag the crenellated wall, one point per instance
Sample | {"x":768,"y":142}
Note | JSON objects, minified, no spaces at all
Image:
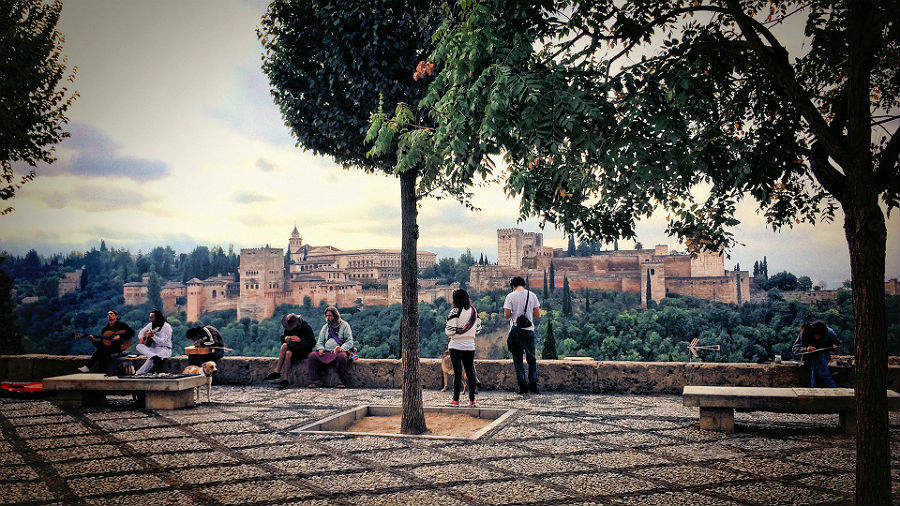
{"x":553,"y":375}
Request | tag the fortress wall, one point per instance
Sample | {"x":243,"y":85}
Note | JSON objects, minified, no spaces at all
{"x":553,"y":375}
{"x":677,"y":266}
{"x":718,"y":288}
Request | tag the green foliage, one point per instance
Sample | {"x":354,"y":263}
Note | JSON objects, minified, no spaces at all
{"x":10,"y":339}
{"x":804,"y":283}
{"x":566,"y":297}
{"x":34,"y":99}
{"x":549,"y":350}
{"x":593,"y":142}
{"x":784,"y":281}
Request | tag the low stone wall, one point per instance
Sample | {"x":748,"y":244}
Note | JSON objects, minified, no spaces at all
{"x":588,"y":376}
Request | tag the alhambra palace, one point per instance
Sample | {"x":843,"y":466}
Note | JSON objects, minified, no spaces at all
{"x":344,"y":278}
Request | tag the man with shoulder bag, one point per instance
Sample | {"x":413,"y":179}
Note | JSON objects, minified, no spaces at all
{"x":521,"y":307}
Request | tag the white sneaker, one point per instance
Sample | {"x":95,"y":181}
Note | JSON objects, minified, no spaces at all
{"x":84,"y":368}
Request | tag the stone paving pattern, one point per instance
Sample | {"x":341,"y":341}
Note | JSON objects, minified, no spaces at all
{"x":559,"y":449}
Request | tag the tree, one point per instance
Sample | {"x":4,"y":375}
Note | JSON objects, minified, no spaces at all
{"x":552,"y":278}
{"x":764,"y":268}
{"x":549,"y":351}
{"x":331,"y":64}
{"x":804,"y":283}
{"x":153,"y":291}
{"x":10,"y":339}
{"x":593,"y":142}
{"x":546,"y":288}
{"x":33,"y":105}
{"x":570,"y":250}
{"x":784,"y":281}
{"x":587,"y":300}
{"x":566,"y":297}
{"x":638,"y":245}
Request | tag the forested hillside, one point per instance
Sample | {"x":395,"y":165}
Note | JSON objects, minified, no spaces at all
{"x":605,"y":325}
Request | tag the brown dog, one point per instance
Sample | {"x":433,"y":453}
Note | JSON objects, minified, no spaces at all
{"x":207,"y":369}
{"x":447,"y":371}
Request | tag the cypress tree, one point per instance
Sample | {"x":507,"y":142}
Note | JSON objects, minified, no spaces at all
{"x":552,"y":278}
{"x":567,"y":298}
{"x":546,"y":288}
{"x":765,"y":268}
{"x":587,"y":300}
{"x":571,"y":249}
{"x":549,"y":351}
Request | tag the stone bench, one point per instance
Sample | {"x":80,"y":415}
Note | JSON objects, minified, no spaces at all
{"x":717,"y":404}
{"x":158,"y":393}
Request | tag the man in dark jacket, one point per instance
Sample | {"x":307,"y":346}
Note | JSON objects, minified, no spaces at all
{"x":814,"y":345}
{"x":205,"y":336}
{"x":114,"y":338}
{"x":298,"y":342}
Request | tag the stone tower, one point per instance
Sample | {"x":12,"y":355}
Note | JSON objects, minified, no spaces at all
{"x":262,"y":277}
{"x":510,"y":247}
{"x":295,"y":245}
{"x":653,"y":281}
{"x":195,"y":299}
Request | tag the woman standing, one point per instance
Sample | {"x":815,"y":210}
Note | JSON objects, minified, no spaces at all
{"x":462,"y":325}
{"x":155,"y":342}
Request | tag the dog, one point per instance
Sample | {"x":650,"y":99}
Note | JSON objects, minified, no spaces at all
{"x":207,"y":369}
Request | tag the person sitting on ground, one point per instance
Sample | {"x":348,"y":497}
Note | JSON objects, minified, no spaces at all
{"x":462,"y":325}
{"x":113,"y":337}
{"x":298,"y":341}
{"x":333,"y":348}
{"x":155,"y":342}
{"x":814,"y":345}
{"x":205,"y":336}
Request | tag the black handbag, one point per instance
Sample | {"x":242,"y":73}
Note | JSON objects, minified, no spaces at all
{"x":522,"y":321}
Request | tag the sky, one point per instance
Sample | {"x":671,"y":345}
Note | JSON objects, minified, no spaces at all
{"x":175,"y":141}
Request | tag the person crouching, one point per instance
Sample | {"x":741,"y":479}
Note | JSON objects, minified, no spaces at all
{"x":332,"y":349}
{"x":297,"y":343}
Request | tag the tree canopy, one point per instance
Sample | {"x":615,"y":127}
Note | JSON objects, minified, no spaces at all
{"x":604,"y":112}
{"x":34,"y":94}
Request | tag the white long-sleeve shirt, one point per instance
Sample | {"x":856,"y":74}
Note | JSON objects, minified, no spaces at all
{"x":162,"y":339}
{"x":458,"y":318}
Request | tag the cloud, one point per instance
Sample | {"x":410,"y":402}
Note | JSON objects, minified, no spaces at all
{"x":250,"y":110}
{"x":250,"y":197}
{"x":265,"y":165}
{"x":91,"y":152}
{"x":94,"y":199}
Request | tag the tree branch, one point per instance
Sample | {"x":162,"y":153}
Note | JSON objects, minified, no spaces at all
{"x":775,"y":61}
{"x":830,"y":179}
{"x":886,"y":171}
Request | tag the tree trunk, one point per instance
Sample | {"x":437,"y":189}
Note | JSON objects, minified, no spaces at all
{"x":866,"y":236}
{"x":413,"y":418}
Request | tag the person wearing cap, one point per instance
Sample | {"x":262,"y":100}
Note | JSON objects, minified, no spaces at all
{"x":297,"y":342}
{"x":333,"y":349}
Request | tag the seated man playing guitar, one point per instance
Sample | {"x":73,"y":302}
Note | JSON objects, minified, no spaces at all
{"x":114,"y":338}
{"x":155,"y":342}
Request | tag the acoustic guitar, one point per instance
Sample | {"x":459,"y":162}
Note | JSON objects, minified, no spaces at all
{"x":107,"y":338}
{"x":203,"y":350}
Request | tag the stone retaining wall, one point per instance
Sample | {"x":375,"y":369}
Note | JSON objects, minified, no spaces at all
{"x":589,"y":376}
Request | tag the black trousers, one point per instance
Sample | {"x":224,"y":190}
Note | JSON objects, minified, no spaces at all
{"x":460,"y":359}
{"x":102,"y":357}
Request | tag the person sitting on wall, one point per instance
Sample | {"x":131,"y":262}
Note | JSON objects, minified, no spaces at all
{"x":208,"y":345}
{"x":298,"y":341}
{"x":114,"y":338}
{"x":333,"y":349}
{"x":814,"y":345}
{"x":155,"y":342}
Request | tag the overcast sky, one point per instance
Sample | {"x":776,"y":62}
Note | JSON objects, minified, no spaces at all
{"x":175,"y":141}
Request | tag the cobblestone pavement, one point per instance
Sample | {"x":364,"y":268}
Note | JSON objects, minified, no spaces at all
{"x":560,"y":448}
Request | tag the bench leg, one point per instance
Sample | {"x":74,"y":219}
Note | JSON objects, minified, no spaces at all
{"x":848,"y":422}
{"x":718,"y":419}
{"x":169,"y":400}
